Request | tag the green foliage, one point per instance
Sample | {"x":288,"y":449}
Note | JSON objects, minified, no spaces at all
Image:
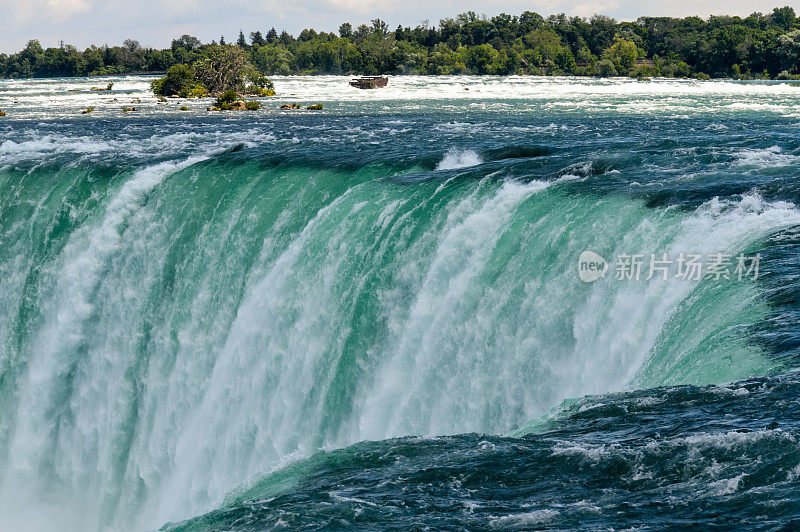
{"x":87,"y":110}
{"x":223,"y":69}
{"x":197,"y":91}
{"x":258,"y":83}
{"x":642,"y":72}
{"x":315,"y":107}
{"x":226,"y":98}
{"x":444,"y":60}
{"x":720,"y":46}
{"x":480,"y":59}
{"x":785,"y":75}
{"x":783,"y":17}
{"x":788,"y":51}
{"x":605,"y":68}
{"x":622,"y":54}
{"x":184,"y":108}
{"x":252,"y":105}
{"x":179,"y":81}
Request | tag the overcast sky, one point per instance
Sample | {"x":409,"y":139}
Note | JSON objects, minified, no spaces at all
{"x":157,"y":22}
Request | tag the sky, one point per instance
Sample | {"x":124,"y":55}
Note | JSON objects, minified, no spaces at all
{"x":156,"y":22}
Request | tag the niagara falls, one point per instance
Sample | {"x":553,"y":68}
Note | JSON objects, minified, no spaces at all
{"x":378,"y":299}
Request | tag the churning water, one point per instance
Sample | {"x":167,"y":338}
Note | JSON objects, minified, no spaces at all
{"x":371,"y":315}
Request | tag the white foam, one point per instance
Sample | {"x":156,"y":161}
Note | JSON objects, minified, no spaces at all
{"x":535,"y":517}
{"x":31,"y":145}
{"x":455,"y":158}
{"x":765,"y":158}
{"x":675,"y":98}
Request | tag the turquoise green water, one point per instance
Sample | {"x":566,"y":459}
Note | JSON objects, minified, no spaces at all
{"x":187,"y":307}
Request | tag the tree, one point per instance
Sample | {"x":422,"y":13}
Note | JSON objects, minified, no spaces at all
{"x":256,"y":39}
{"x":601,"y":33}
{"x":131,"y":45}
{"x":187,"y":42}
{"x":783,"y":17}
{"x":788,"y":51}
{"x":285,"y":39}
{"x":379,"y":27}
{"x":361,"y":32}
{"x":502,"y":44}
{"x":622,"y":54}
{"x":273,"y":59}
{"x":479,"y":59}
{"x":179,"y":81}
{"x":227,"y":68}
{"x":307,"y":35}
{"x":605,"y":68}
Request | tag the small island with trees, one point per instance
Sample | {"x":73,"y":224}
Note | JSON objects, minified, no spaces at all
{"x":224,"y":68}
{"x":760,"y":46}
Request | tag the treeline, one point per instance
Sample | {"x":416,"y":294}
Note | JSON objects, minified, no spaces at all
{"x":759,"y":46}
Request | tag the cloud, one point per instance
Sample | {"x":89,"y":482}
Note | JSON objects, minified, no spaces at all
{"x":60,"y":10}
{"x":591,"y":7}
{"x":361,"y":6}
{"x":50,"y":11}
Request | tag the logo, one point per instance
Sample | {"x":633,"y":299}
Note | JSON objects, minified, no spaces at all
{"x":591,"y":266}
{"x":685,"y":266}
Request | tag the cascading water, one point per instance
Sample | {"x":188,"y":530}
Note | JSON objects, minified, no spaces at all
{"x":176,"y":324}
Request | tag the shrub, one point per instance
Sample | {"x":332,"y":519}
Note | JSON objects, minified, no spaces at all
{"x":605,"y":69}
{"x":258,"y":83}
{"x":222,"y":69}
{"x":677,"y":69}
{"x":252,"y":105}
{"x":315,"y":107}
{"x":184,"y":108}
{"x":198,"y":91}
{"x":642,"y":72}
{"x":254,"y":89}
{"x":226,"y":98}
{"x":622,"y":54}
{"x":179,"y":81}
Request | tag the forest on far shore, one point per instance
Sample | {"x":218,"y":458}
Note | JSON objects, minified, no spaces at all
{"x":760,"y":46}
